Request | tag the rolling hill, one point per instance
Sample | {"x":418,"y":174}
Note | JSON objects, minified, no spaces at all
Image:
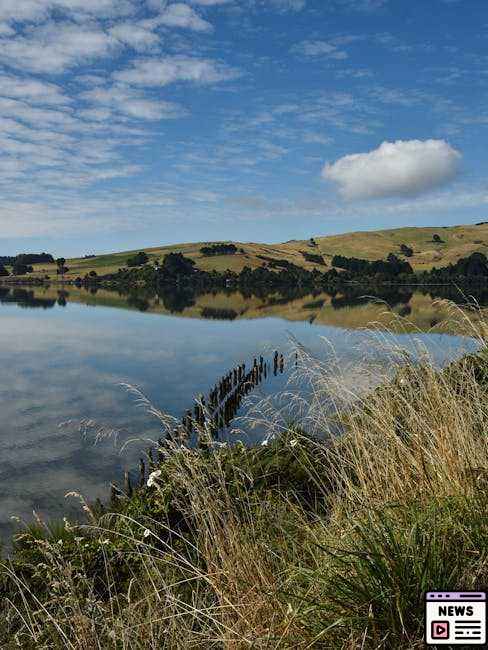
{"x":457,"y":242}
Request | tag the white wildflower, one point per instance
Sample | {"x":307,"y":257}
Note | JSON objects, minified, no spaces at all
{"x":265,"y":443}
{"x":147,"y":532}
{"x":151,"y":480}
{"x":293,"y":443}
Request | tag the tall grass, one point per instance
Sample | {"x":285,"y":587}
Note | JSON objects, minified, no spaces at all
{"x":306,"y":542}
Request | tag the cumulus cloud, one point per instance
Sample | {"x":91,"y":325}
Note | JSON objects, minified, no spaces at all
{"x":401,"y":168}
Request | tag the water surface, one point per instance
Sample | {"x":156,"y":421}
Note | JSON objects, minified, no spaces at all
{"x":64,"y":354}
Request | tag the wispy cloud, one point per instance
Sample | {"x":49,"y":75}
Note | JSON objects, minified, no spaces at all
{"x":172,"y":69}
{"x":319,"y":48}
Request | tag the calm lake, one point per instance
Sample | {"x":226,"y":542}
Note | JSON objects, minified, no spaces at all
{"x":64,"y":355}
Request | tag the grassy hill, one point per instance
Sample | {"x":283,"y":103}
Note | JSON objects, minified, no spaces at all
{"x":457,"y":242}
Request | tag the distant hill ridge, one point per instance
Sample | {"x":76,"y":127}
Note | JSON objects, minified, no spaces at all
{"x":431,"y":246}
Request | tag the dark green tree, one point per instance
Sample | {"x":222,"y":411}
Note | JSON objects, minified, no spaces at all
{"x":177,"y":264}
{"x":62,"y":268}
{"x":21,"y":269}
{"x":139,"y":259}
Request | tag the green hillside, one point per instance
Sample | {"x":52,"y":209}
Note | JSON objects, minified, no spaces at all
{"x":457,"y":242}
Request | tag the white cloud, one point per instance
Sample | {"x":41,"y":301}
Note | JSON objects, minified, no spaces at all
{"x":22,"y":10}
{"x":319,"y":48}
{"x":134,"y":36}
{"x":19,"y":110}
{"x":362,"y":5}
{"x":289,"y":5}
{"x":37,"y":10}
{"x":210,"y":3}
{"x":400,"y":168}
{"x":32,"y":90}
{"x":181,"y":15}
{"x":6,"y":30}
{"x":127,"y":101}
{"x":171,"y":69}
{"x":55,"y":47}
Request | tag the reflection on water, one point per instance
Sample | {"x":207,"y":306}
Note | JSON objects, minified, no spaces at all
{"x":63,"y":354}
{"x":352,"y":309}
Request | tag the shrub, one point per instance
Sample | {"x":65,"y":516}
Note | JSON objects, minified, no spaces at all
{"x":139,"y":259}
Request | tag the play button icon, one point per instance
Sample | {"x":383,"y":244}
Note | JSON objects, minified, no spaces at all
{"x":440,"y":629}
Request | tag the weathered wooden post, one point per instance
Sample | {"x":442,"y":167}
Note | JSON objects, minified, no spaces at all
{"x":142,"y":473}
{"x":127,"y":484}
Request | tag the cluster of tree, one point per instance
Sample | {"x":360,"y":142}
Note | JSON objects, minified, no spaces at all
{"x":175,"y":265}
{"x":392,"y":266}
{"x":218,"y":249}
{"x":315,"y":259}
{"x":27,"y":259}
{"x":472,"y":268}
{"x":139,"y":259}
{"x":21,"y":269}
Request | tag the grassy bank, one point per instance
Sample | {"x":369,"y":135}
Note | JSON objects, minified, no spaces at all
{"x":455,"y":243}
{"x":309,"y":541}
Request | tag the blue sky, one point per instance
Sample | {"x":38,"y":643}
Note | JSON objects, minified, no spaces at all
{"x":130,"y":123}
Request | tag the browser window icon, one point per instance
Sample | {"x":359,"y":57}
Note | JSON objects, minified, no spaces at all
{"x":455,"y":618}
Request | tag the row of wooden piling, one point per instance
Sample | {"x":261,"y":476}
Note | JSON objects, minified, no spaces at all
{"x":210,"y":415}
